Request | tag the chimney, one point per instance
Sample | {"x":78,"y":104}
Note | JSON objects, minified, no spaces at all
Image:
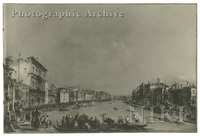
{"x":158,"y":80}
{"x":187,"y":83}
{"x":181,"y":86}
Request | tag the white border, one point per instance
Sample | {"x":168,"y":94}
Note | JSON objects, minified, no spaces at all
{"x":95,"y":2}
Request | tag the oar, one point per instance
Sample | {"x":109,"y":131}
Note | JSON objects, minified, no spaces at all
{"x":115,"y":127}
{"x":137,"y":128}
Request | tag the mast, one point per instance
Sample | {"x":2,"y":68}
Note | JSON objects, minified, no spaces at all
{"x":19,"y":67}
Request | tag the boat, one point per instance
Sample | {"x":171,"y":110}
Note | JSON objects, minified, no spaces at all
{"x":108,"y":128}
{"x":139,"y":125}
{"x":63,"y":109}
{"x":130,"y":126}
{"x":110,"y":103}
{"x":59,"y":128}
{"x":76,"y":107}
{"x":115,"y":108}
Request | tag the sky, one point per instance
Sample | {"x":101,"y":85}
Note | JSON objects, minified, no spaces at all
{"x":107,"y":54}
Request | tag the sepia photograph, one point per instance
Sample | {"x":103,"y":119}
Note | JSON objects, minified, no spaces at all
{"x":99,"y":68}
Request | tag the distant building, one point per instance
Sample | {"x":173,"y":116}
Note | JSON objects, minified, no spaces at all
{"x":89,"y":95}
{"x":81,"y":95}
{"x":68,"y":94}
{"x":102,"y":95}
{"x":73,"y":92}
{"x":182,"y":96}
{"x":64,"y":96}
{"x":193,"y":96}
{"x":53,"y":94}
{"x":97,"y":96}
{"x":150,"y":93}
{"x":107,"y":96}
{"x":46,"y":93}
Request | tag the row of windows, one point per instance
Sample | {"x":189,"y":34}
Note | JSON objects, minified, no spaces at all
{"x":36,"y":84}
{"x":63,"y":98}
{"x":36,"y":72}
{"x":39,"y":72}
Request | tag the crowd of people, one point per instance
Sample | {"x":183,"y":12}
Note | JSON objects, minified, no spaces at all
{"x":18,"y":111}
{"x":85,"y":122}
{"x":37,"y":120}
{"x":80,"y":122}
{"x":69,"y":122}
{"x":121,"y":120}
{"x":109,"y":121}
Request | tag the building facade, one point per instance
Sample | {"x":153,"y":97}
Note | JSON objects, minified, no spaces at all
{"x":182,"y":96}
{"x":150,"y":93}
{"x":81,"y":95}
{"x":64,"y":96}
{"x":89,"y":95}
{"x":32,"y":73}
{"x":156,"y":94}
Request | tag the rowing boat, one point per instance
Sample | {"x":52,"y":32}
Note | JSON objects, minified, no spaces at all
{"x":104,"y":128}
{"x":61,"y":129}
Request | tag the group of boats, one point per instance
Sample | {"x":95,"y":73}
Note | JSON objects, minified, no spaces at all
{"x":104,"y":127}
{"x":47,"y":107}
{"x":66,"y":108}
{"x":116,"y":127}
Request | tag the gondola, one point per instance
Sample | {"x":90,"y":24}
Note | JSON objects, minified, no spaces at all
{"x":115,"y":108}
{"x":134,"y":125}
{"x":76,"y":107}
{"x":59,"y":128}
{"x":63,"y":109}
{"x":109,"y":128}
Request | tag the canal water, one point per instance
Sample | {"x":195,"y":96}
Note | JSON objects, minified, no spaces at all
{"x":107,"y":107}
{"x":92,"y":111}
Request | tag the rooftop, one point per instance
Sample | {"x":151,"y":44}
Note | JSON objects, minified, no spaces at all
{"x":37,"y":62}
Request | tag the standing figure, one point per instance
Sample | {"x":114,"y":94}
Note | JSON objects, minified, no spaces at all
{"x":17,"y":111}
{"x":35,"y":123}
{"x":127,"y":120}
{"x":135,"y":119}
{"x":96,"y":122}
{"x":27,"y":116}
{"x":63,"y":122}
{"x":75,"y":124}
{"x":77,"y":116}
{"x":48,"y":121}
